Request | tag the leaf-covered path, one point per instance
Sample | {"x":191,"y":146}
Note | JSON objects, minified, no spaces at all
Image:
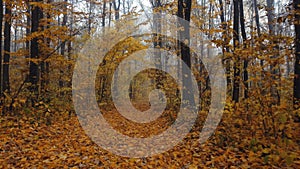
{"x":63,"y":144}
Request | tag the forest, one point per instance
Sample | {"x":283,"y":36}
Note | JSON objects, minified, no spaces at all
{"x":150,"y":84}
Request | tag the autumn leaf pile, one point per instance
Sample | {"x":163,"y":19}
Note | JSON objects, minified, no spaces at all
{"x":27,"y":143}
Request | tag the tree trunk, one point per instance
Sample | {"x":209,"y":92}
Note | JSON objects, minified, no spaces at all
{"x":244,"y":36}
{"x":270,"y":14}
{"x":274,"y":71}
{"x":297,"y":54}
{"x":117,"y":9}
{"x":109,"y":14}
{"x":117,"y":17}
{"x":103,"y":78}
{"x":184,"y":11}
{"x":7,"y":40}
{"x":70,"y":47}
{"x":16,"y":36}
{"x":28,"y":21}
{"x":90,"y":17}
{"x":157,"y":42}
{"x":103,"y":14}
{"x":256,"y":17}
{"x":63,"y":45}
{"x":226,"y":61}
{"x":257,"y":24}
{"x":34,"y":50}
{"x":1,"y":19}
{"x":236,"y":83}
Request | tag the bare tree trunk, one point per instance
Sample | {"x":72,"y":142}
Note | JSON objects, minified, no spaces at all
{"x":109,"y":15}
{"x":244,"y":36}
{"x":16,"y":36}
{"x":63,"y":45}
{"x":70,"y":43}
{"x":42,"y":63}
{"x":103,"y":79}
{"x":157,"y":40}
{"x":226,"y":61}
{"x":257,"y":24}
{"x":184,"y":11}
{"x":1,"y":19}
{"x":45,"y":66}
{"x":34,"y":72}
{"x":274,"y":71}
{"x":236,"y":83}
{"x":256,"y":17}
{"x":117,"y":6}
{"x":7,"y":42}
{"x":297,"y":54}
{"x":103,"y":13}
{"x":270,"y":14}
{"x":90,"y":17}
{"x":28,"y":21}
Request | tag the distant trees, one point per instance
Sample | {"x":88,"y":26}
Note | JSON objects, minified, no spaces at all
{"x":255,"y":52}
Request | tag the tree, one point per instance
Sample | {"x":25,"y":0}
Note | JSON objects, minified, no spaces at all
{"x":236,"y":23}
{"x":63,"y":45}
{"x":28,"y":22}
{"x":1,"y":19}
{"x":7,"y":40}
{"x":184,"y":12}
{"x":117,"y":5}
{"x":157,"y":40}
{"x":297,"y":54}
{"x":270,"y":14}
{"x":256,"y":17}
{"x":244,"y":36}
{"x":46,"y":41}
{"x":34,"y":72}
{"x":103,"y":13}
{"x":226,"y":61}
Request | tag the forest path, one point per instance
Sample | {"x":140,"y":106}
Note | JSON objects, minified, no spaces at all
{"x":64,"y":144}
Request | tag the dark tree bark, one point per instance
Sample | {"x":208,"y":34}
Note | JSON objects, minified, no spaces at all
{"x":236,"y":67}
{"x":28,"y":21}
{"x":256,"y":17}
{"x":270,"y":14}
{"x":184,"y":11}
{"x":103,"y":78}
{"x":226,"y":61}
{"x":103,"y":14}
{"x":45,"y":67}
{"x":117,"y":5}
{"x":43,"y":53}
{"x":157,"y":42}
{"x":63,"y":45}
{"x":1,"y":19}
{"x":34,"y":72}
{"x":257,"y":24}
{"x":244,"y":36}
{"x":7,"y":41}
{"x":70,"y":47}
{"x":109,"y":14}
{"x":274,"y":71}
{"x":90,"y":16}
{"x":297,"y":54}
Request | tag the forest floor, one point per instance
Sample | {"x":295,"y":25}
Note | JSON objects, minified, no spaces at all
{"x":25,"y":143}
